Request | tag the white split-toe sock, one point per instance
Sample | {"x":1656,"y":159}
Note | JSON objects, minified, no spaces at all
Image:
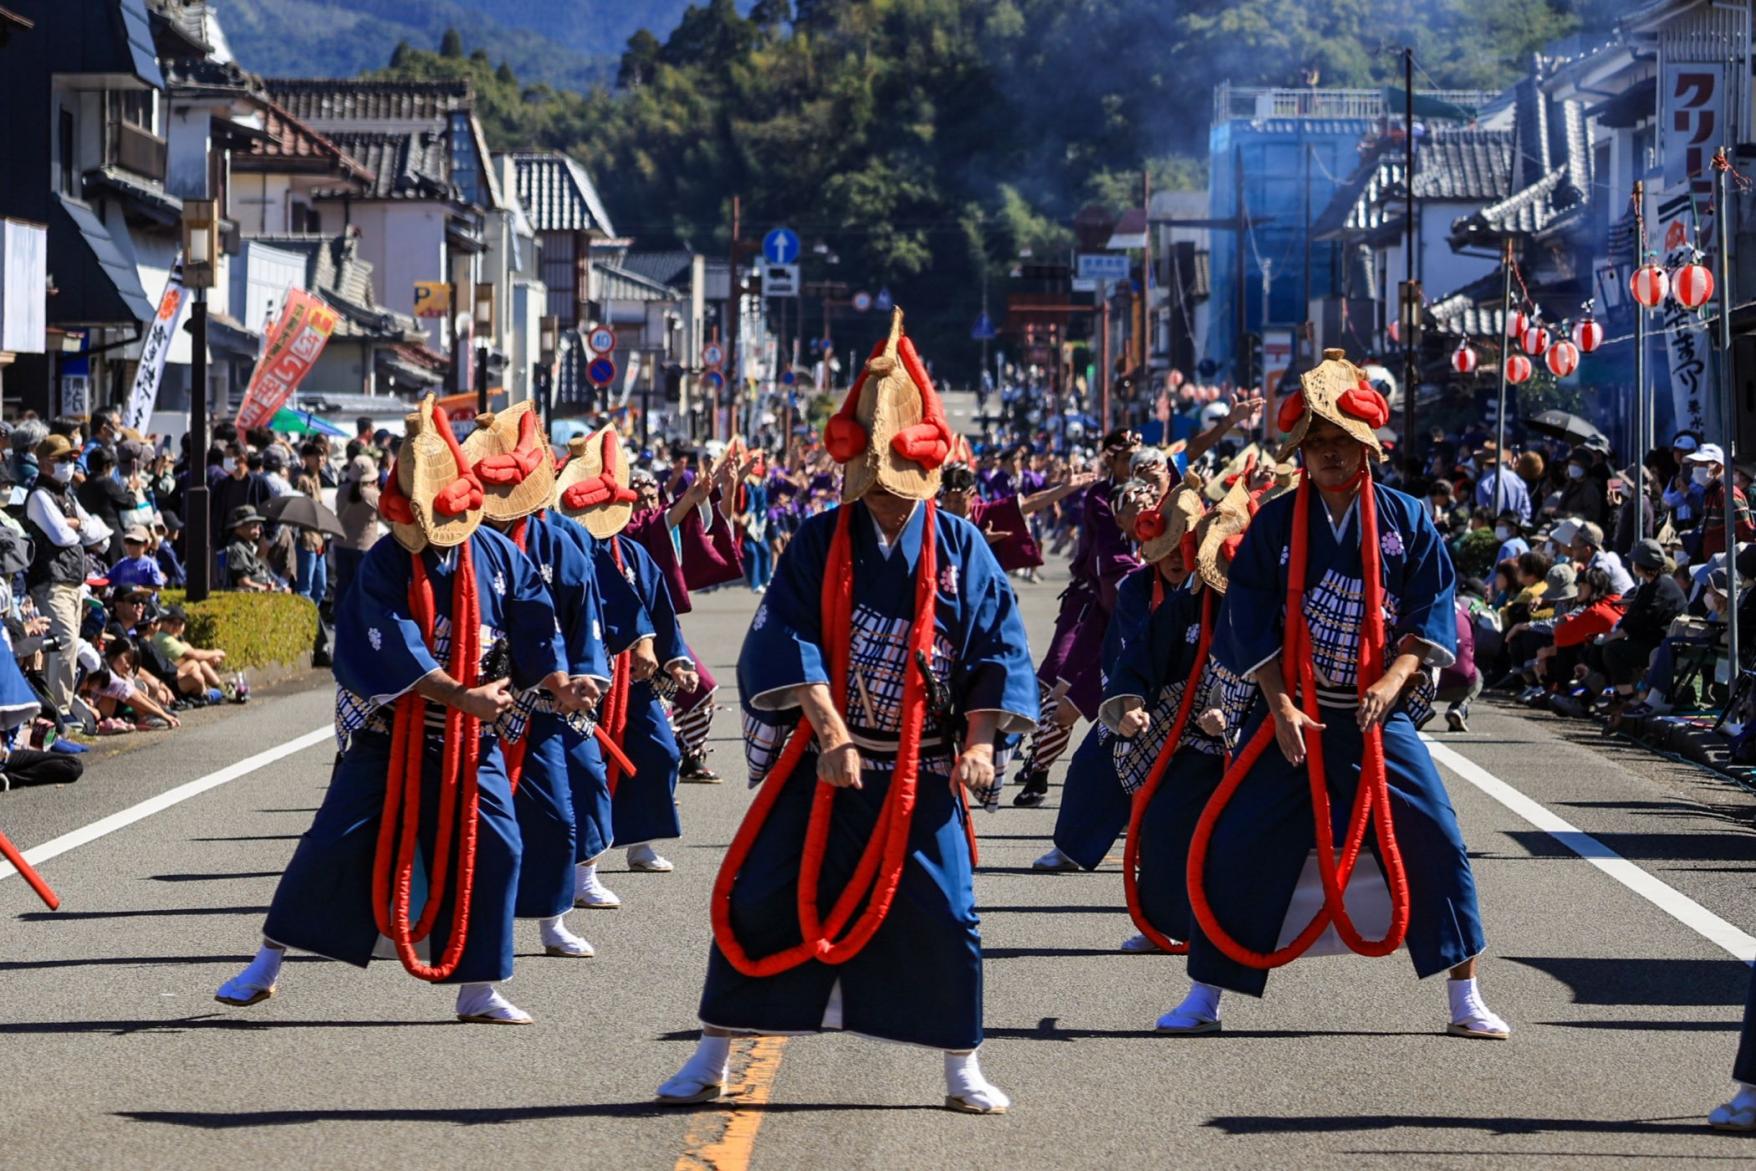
{"x":703,"y":1076}
{"x":255,"y":983}
{"x":1054,"y":860}
{"x":589,"y":891}
{"x":644,"y":857}
{"x":967,"y":1091}
{"x":482,"y":1004}
{"x":1199,"y":1012}
{"x":1739,"y":1113}
{"x":1470,"y":1015}
{"x":559,"y":941}
{"x":1139,"y":944}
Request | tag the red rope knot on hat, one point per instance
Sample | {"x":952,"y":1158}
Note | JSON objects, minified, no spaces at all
{"x":510,"y":468}
{"x":844,"y":436}
{"x":601,"y":488}
{"x":930,"y":441}
{"x":393,"y":503}
{"x":1362,"y":401}
{"x":1150,"y":526}
{"x":464,"y":493}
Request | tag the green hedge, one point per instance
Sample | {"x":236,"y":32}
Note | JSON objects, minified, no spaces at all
{"x":255,"y":630}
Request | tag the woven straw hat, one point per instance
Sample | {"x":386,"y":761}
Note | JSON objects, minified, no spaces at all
{"x":593,"y":486}
{"x":509,"y":455}
{"x":1218,"y":535}
{"x":434,"y":497}
{"x":1335,"y":389}
{"x":891,"y":431}
{"x":1181,"y":510}
{"x":1237,"y":468}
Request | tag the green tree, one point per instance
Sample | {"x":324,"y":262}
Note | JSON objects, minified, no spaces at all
{"x":451,"y":44}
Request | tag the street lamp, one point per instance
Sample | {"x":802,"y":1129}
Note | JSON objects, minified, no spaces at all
{"x":200,"y":240}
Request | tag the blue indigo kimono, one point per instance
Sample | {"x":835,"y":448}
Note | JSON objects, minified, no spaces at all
{"x":1094,"y":807}
{"x":919,"y":980}
{"x":1154,"y":670}
{"x":324,"y":901}
{"x":544,"y":800}
{"x":644,"y":808}
{"x":1262,"y":840}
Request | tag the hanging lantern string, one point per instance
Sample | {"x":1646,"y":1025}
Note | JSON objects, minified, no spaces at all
{"x":1523,"y":291}
{"x":1685,"y":328}
{"x":1721,"y":162}
{"x":1635,"y":204}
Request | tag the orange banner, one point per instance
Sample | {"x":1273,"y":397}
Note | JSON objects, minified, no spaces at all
{"x":292,"y":347}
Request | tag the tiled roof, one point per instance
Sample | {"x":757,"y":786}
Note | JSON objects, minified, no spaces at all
{"x":1524,"y":213}
{"x":667,"y":268}
{"x":291,"y":139}
{"x":1458,"y":166}
{"x":1472,"y":311}
{"x":412,"y":165}
{"x":325,"y":102}
{"x":558,"y":195}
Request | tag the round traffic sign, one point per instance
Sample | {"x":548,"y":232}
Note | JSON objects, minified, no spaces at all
{"x":602,"y":371}
{"x":780,"y":246}
{"x":787,"y":378}
{"x":602,"y":340}
{"x":714,"y":379}
{"x":862,"y":301}
{"x":713,"y":354}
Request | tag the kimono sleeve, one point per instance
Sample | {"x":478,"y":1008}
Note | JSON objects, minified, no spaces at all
{"x":1427,"y":625}
{"x":1248,"y":632}
{"x":1155,"y":653}
{"x":1133,"y":605}
{"x":626,"y":621}
{"x":994,"y":668}
{"x":379,"y":652}
{"x":573,"y":589}
{"x":533,"y":636}
{"x":667,"y":632}
{"x":784,"y":647}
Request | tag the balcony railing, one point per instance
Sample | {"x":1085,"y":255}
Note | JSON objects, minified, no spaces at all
{"x":1230,"y":102}
{"x":139,"y":151}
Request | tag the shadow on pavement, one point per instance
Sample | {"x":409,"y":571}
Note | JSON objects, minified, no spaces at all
{"x":1325,"y":1124}
{"x":133,"y":961}
{"x":1650,"y":847}
{"x":491,"y":1115}
{"x":50,"y":916}
{"x":1678,"y":982}
{"x":223,"y":876}
{"x":215,"y":1021}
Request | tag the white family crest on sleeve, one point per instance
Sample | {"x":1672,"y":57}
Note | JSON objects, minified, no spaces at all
{"x":548,"y":573}
{"x":375,"y":637}
{"x":948,"y":580}
{"x":761,"y":619}
{"x":500,"y":584}
{"x":1391,"y":542}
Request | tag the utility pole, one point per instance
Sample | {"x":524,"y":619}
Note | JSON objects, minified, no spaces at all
{"x":1722,"y":214}
{"x":197,"y":515}
{"x":1411,"y":314}
{"x":735,"y":306}
{"x":1640,"y":502}
{"x":1241,"y":362}
{"x":1146,"y":311}
{"x":1305,"y":308}
{"x":1500,"y":498}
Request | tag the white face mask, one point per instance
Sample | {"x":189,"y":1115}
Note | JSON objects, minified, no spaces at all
{"x":228,"y":465}
{"x":1701,"y":474}
{"x":61,"y":472}
{"x":1502,"y":532}
{"x":1575,"y":472}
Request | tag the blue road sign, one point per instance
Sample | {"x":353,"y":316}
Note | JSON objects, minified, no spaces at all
{"x":781,"y":246}
{"x":883,"y":303}
{"x":714,"y":379}
{"x":602,"y":371}
{"x":983,"y":331}
{"x":787,"y":378}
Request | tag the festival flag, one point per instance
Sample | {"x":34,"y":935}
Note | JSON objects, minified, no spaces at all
{"x":153,"y":349}
{"x":292,"y":347}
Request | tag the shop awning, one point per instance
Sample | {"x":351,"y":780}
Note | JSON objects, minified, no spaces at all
{"x":95,"y":284}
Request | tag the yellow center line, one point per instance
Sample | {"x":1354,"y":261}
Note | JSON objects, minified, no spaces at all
{"x":723,"y":1140}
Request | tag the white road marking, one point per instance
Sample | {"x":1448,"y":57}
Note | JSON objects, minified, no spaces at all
{"x":55,"y":847}
{"x":1668,"y":899}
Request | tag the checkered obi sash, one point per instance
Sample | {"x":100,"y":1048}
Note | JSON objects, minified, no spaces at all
{"x":358,"y":713}
{"x":1334,"y":610}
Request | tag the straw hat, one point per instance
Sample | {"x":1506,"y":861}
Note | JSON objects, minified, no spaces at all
{"x":513,"y":462}
{"x":1219,"y":534}
{"x":433,"y":496}
{"x":1237,"y":468}
{"x":891,"y":431}
{"x":592,"y":487}
{"x":1162,"y":531}
{"x":1336,"y":390}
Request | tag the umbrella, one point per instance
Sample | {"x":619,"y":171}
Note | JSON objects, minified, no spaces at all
{"x":302,"y":512}
{"x":1569,"y":427}
{"x":287,"y":421}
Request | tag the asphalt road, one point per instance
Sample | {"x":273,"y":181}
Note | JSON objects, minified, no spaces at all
{"x":117,"y":1053}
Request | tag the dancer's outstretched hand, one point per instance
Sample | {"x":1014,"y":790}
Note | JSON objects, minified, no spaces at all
{"x":1289,"y":730}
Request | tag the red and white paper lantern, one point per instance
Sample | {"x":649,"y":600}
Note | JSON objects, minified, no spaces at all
{"x":1517,"y":324}
{"x":1650,"y":285}
{"x":1517,"y":368}
{"x":1464,"y":359}
{"x":1692,"y":285}
{"x":1535,"y":340}
{"x":1588,"y":335}
{"x":1563,"y":359}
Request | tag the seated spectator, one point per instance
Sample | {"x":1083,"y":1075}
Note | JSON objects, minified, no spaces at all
{"x":1596,"y":612}
{"x":165,"y":535}
{"x":245,"y":568}
{"x":118,"y":696}
{"x":1654,"y":604}
{"x":1532,"y":569}
{"x":1707,"y":470}
{"x":1657,"y":692}
{"x":138,"y":567}
{"x":1526,"y":640}
{"x":1584,"y":496}
{"x":1461,"y":682}
{"x":1510,"y":533}
{"x":192,"y":670}
{"x":1588,"y":552}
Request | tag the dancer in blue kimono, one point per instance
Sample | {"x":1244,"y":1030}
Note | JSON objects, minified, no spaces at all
{"x":518,"y":477}
{"x":433,"y":619}
{"x":1143,"y":703}
{"x":1343,"y":687}
{"x":594,"y":489}
{"x":887,"y":658}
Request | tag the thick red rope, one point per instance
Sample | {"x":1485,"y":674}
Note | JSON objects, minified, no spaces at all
{"x":1143,"y":796}
{"x":514,"y":750}
{"x":1371,"y":800}
{"x":393,"y":865}
{"x":879,"y":871}
{"x":613,"y":720}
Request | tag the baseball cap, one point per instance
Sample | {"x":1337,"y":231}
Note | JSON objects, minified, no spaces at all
{"x":1709,"y":453}
{"x":136,"y":534}
{"x":1562,"y":582}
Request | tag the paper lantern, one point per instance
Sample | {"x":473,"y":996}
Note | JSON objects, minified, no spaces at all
{"x":1517,"y":324}
{"x":1464,"y":359}
{"x":1650,"y":284}
{"x":1517,"y":368}
{"x":1563,"y":359}
{"x":1394,"y":331}
{"x":1588,"y":335}
{"x":1534,"y":340}
{"x":1692,"y":285}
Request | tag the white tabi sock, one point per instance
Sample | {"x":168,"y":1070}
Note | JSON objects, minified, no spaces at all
{"x":1470,"y":1015}
{"x":588,"y":891}
{"x":483,"y":1004}
{"x":256,"y":982}
{"x":1199,"y":1008}
{"x":965,"y":1084}
{"x":558,"y":940}
{"x":703,"y":1072}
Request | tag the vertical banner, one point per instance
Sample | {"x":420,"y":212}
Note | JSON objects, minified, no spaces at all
{"x":1693,"y":122}
{"x":153,"y":349}
{"x":291,"y":348}
{"x":1686,"y":341}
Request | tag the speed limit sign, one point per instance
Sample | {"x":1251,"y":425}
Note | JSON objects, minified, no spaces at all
{"x":713,"y":354}
{"x":602,"y":340}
